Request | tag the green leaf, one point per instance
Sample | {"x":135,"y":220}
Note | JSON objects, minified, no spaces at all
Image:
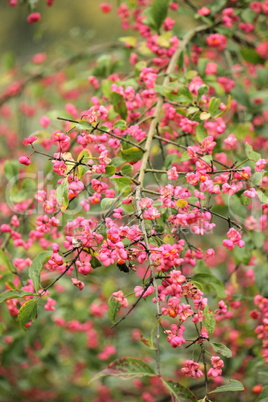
{"x":11,"y":169}
{"x":262,"y":196}
{"x":28,"y":312}
{"x":256,"y":178}
{"x":83,"y":125}
{"x":207,"y":159}
{"x":236,"y":209}
{"x":192,"y":110}
{"x":120,"y":124}
{"x":181,"y":393}
{"x":180,"y":61}
{"x":217,"y":5}
{"x":110,"y":170}
{"x":209,"y":280}
{"x":14,"y":294}
{"x":241,"y":130}
{"x":62,"y":195}
{"x":200,"y":133}
{"x":36,"y":266}
{"x":113,"y":309}
{"x":242,"y":255}
{"x":178,"y":93}
{"x":132,"y":154}
{"x":84,"y":157}
{"x":261,"y":279}
{"x":251,"y":154}
{"x":251,"y":56}
{"x":150,"y":341}
{"x":158,"y":12}
{"x":184,"y":156}
{"x":263,"y":395}
{"x":127,"y":169}
{"x":94,"y":262}
{"x":213,"y":107}
{"x":201,"y":91}
{"x":245,"y":200}
{"x":232,"y":385}
{"x":210,"y":322}
{"x":221,"y":349}
{"x":205,"y":116}
{"x":122,"y":184}
{"x":117,"y":161}
{"x":106,"y":203}
{"x":262,"y":77}
{"x":126,"y":368}
{"x":169,"y":159}
{"x":5,"y":262}
{"x":119,"y":104}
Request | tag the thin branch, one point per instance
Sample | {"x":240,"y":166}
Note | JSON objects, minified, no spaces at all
{"x":147,"y":150}
{"x":135,"y":304}
{"x":105,"y":132}
{"x":206,"y":209}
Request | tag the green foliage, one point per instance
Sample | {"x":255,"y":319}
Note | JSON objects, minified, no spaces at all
{"x":251,"y":56}
{"x":14,"y":294}
{"x":179,"y":392}
{"x":221,"y":349}
{"x":62,"y":195}
{"x":207,"y":281}
{"x":122,"y":184}
{"x":125,"y":369}
{"x":231,"y":386}
{"x":210,"y":322}
{"x":158,"y":13}
{"x":5,"y":262}
{"x":114,"y":307}
{"x":11,"y":170}
{"x":263,"y":395}
{"x":27,"y":313}
{"x":119,"y":104}
{"x":132,"y":154}
{"x":36,"y":267}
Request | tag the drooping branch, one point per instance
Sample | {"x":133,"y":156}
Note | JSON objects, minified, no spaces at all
{"x":144,"y":162}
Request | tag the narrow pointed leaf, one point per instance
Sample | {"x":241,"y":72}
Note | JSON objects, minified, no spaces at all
{"x":158,"y":12}
{"x":37,"y":265}
{"x":126,"y":368}
{"x":210,"y":322}
{"x":5,"y":262}
{"x":221,"y":349}
{"x":232,"y":385}
{"x":180,"y":393}
{"x":28,"y":312}
{"x":114,"y":307}
{"x":120,"y":124}
{"x":62,"y":195}
{"x":14,"y":294}
{"x":119,"y":104}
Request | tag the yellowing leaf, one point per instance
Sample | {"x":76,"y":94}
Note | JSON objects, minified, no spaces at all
{"x":164,"y":39}
{"x":169,"y":239}
{"x":205,"y":116}
{"x":129,"y":40}
{"x":181,"y":203}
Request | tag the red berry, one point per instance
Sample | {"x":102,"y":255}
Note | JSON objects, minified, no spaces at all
{"x":33,"y":17}
{"x":105,"y":8}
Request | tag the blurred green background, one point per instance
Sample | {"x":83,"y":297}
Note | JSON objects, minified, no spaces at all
{"x":66,"y":23}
